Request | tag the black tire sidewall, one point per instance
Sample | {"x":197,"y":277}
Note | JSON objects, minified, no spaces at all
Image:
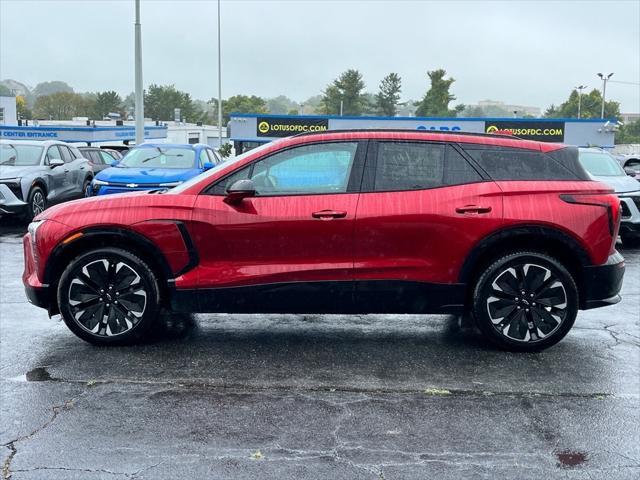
{"x":29,"y":215}
{"x":481,"y":292}
{"x":148,"y":278}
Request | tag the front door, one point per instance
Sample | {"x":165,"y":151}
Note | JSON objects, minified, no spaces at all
{"x":289,"y":248}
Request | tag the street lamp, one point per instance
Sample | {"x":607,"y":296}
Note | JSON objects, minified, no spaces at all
{"x":219,"y":84}
{"x":604,"y":79}
{"x":580,"y":88}
{"x":139,"y":105}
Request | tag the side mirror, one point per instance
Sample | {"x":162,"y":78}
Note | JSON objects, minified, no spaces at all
{"x":115,"y":163}
{"x":55,"y":162}
{"x":239,"y":191}
{"x":630,"y":171}
{"x":208,"y":165}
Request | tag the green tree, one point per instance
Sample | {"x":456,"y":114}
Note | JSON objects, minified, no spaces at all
{"x":347,"y":88}
{"x":59,"y":106}
{"x":225,"y":150}
{"x":280,"y":105}
{"x":160,"y":101}
{"x":590,"y":107}
{"x":105,"y":103}
{"x":47,"y":88}
{"x":5,"y":91}
{"x":238,"y":104}
{"x":389,"y":95}
{"x":22,"y":109}
{"x":435,"y":102}
{"x":629,"y":133}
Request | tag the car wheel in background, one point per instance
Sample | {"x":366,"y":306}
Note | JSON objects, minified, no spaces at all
{"x":86,"y":188}
{"x":109,"y":296}
{"x":525,"y":301}
{"x":36,"y":203}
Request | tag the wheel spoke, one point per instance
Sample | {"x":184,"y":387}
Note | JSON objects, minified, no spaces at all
{"x":552,"y":297}
{"x":534,"y":277}
{"x":518,"y":326}
{"x":89,"y":283}
{"x":547,"y":323}
{"x":86,"y":304}
{"x":508,"y":283}
{"x":501,"y":308}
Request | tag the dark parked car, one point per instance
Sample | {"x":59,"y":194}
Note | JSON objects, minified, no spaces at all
{"x":513,"y":231}
{"x":35,"y":174}
{"x":100,"y":158}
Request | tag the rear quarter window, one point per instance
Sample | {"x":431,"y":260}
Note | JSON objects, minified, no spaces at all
{"x":503,"y":163}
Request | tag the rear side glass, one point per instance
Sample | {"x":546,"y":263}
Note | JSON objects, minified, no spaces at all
{"x":107,"y":158}
{"x":409,"y":166}
{"x":503,"y":163}
{"x":457,"y":170}
{"x":66,"y":154}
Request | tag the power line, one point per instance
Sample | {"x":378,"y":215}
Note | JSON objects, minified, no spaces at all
{"x":626,"y":83}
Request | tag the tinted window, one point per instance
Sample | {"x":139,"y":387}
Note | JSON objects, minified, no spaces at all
{"x":417,"y":166}
{"x":517,"y":164}
{"x":310,"y":169}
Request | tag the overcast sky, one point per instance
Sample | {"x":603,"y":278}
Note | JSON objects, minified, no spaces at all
{"x":522,"y":52}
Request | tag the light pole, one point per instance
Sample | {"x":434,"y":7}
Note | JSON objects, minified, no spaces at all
{"x":604,"y":78}
{"x":580,"y":88}
{"x":219,"y":83}
{"x":139,"y":107}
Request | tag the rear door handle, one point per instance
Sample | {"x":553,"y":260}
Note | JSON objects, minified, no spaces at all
{"x":328,"y":214}
{"x":473,"y":209}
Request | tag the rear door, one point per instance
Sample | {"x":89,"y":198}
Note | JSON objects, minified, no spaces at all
{"x":289,"y":248}
{"x":60,"y":175}
{"x":422,"y":208}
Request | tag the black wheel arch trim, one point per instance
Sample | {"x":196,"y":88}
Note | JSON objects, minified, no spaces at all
{"x":526,"y":231}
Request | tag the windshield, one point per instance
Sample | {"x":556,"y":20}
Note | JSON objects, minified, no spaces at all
{"x":20,"y":155}
{"x":600,"y":164}
{"x":220,"y":166}
{"x":159,"y":157}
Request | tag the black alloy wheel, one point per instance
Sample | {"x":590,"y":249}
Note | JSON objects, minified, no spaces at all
{"x":525,"y":301}
{"x":108,"y":296}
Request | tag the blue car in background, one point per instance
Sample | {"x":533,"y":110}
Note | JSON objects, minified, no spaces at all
{"x":151,"y":166}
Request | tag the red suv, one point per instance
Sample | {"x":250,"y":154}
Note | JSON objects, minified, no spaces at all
{"x":512,"y":231}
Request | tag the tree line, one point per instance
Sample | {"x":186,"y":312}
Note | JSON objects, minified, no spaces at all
{"x":345,"y":95}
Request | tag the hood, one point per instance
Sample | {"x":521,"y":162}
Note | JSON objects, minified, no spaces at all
{"x":621,"y":183}
{"x":10,"y":171}
{"x":145,"y":175}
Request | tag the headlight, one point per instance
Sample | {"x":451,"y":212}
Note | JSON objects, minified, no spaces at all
{"x":15,"y":180}
{"x":99,"y":182}
{"x":33,"y":230}
{"x":170,"y":184}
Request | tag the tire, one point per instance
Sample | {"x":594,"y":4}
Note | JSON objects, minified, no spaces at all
{"x":86,"y":188}
{"x":120,"y":315}
{"x":531,"y":322}
{"x":630,"y":241}
{"x":36,"y":203}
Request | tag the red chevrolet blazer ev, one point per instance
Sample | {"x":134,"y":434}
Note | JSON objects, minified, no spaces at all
{"x":513,"y":232}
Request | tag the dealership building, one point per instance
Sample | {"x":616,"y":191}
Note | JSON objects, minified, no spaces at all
{"x":250,"y":130}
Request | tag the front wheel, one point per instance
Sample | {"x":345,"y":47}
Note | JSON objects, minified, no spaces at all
{"x":109,"y":296}
{"x":86,"y":188}
{"x":36,"y":203}
{"x":525,"y":301}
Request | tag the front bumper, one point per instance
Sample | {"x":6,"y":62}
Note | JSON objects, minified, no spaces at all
{"x":9,"y":203}
{"x":38,"y":293}
{"x":601,"y":284}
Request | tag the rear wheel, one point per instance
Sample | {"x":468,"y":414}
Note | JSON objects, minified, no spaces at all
{"x":86,"y":188}
{"x":525,"y":301}
{"x":109,"y":296}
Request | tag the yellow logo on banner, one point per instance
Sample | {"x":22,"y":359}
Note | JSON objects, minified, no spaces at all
{"x":263,"y":127}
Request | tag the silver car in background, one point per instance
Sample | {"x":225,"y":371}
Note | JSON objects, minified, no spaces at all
{"x":603,"y":167}
{"x":35,"y":174}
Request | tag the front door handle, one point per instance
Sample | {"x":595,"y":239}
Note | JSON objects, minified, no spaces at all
{"x":328,"y":214}
{"x":473,"y":209}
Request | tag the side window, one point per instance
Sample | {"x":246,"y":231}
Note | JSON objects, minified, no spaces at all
{"x":52,"y":153}
{"x":457,"y":170}
{"x":503,"y":163}
{"x":106,"y":158}
{"x":66,"y":154}
{"x":204,"y":158}
{"x":221,"y":187}
{"x":409,"y":166}
{"x":212,"y":157}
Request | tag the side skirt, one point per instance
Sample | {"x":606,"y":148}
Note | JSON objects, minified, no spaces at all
{"x":358,"y":297}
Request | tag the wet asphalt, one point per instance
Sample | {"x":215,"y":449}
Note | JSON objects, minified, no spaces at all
{"x":327,"y":397}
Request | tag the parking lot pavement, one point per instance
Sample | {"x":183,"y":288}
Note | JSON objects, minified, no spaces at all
{"x":289,"y":396}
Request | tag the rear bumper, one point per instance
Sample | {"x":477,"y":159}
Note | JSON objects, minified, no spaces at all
{"x":602,"y":283}
{"x":38,"y":296}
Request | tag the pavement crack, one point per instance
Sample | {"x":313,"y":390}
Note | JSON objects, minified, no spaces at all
{"x":11,"y":445}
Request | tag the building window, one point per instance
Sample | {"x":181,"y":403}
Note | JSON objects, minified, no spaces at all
{"x":194,"y":138}
{"x":2,"y":114}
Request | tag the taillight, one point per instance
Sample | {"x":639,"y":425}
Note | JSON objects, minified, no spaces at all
{"x":605,"y":200}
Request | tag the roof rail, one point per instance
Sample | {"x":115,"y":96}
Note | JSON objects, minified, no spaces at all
{"x":409,"y":130}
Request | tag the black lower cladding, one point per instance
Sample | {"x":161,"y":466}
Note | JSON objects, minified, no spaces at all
{"x":40,"y":297}
{"x":602,"y":283}
{"x":373,"y":296}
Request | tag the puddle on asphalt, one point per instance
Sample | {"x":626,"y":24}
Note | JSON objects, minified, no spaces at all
{"x":38,"y":374}
{"x":569,"y":459}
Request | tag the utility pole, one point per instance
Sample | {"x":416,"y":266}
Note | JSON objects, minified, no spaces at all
{"x":580,"y":88}
{"x":604,"y":78}
{"x":219,"y":83}
{"x":139,"y":108}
